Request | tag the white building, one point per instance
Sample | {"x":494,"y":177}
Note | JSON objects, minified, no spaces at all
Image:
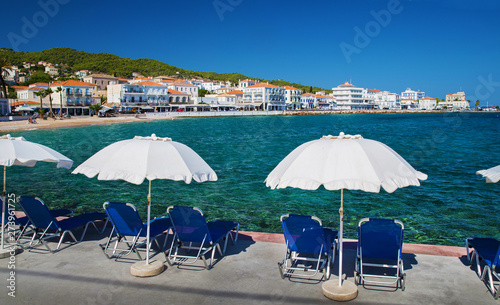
{"x":246,"y":83}
{"x":292,"y":98}
{"x":265,"y":96}
{"x":145,"y":96}
{"x":190,"y":89}
{"x":409,"y":104}
{"x":308,"y":101}
{"x":412,"y":94}
{"x":427,"y":103}
{"x":51,"y":70}
{"x":456,"y":101}
{"x":75,"y":97}
{"x":384,"y":99}
{"x":349,"y":97}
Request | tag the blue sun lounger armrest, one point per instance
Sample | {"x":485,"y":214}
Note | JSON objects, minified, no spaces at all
{"x":46,"y":226}
{"x":486,"y":250}
{"x":127,"y":223}
{"x":309,"y":247}
{"x":193,"y":232}
{"x":380,"y":246}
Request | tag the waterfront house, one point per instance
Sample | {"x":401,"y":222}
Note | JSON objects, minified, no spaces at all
{"x":349,"y":97}
{"x":412,"y":94}
{"x":292,"y":98}
{"x":265,"y":96}
{"x":384,"y":99}
{"x":427,"y":103}
{"x":409,"y":104}
{"x":455,"y":101}
{"x":75,"y":97}
{"x":308,"y":101}
{"x":190,"y":89}
{"x":141,"y":96}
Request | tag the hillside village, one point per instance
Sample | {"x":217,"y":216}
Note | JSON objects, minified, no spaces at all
{"x":78,"y":94}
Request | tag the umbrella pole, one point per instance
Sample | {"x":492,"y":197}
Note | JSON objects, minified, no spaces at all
{"x":3,"y":206}
{"x":341,"y":212}
{"x":149,"y":217}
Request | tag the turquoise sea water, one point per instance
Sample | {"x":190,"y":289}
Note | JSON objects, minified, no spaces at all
{"x":452,"y":204}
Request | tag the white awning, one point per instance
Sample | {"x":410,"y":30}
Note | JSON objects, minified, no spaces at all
{"x":24,"y":108}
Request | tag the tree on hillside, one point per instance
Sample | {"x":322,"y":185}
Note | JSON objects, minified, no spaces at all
{"x":38,"y":77}
{"x":3,"y":65}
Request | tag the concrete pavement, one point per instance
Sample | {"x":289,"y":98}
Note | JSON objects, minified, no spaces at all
{"x":248,"y":274}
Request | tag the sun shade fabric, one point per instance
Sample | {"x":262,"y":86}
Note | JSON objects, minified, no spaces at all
{"x":18,"y":151}
{"x":147,"y":158}
{"x":492,"y":175}
{"x":347,"y":162}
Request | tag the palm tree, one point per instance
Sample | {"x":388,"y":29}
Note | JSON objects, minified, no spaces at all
{"x":48,"y":92}
{"x":95,"y":107}
{"x":3,"y":65}
{"x":41,"y":94}
{"x":59,"y":89}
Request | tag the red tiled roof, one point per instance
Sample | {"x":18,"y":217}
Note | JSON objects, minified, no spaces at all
{"x":172,"y":91}
{"x":235,"y":92}
{"x":373,"y":90}
{"x":72,"y":82}
{"x":290,"y":88}
{"x":263,"y":85}
{"x":150,"y":83}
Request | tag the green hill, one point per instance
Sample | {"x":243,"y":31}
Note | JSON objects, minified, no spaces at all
{"x":73,"y":60}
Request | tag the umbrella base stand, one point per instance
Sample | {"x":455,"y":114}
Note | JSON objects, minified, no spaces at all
{"x":141,"y":269}
{"x":348,"y":291}
{"x":9,"y":252}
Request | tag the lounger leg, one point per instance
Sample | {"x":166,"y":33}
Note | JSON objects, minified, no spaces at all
{"x":62,"y":237}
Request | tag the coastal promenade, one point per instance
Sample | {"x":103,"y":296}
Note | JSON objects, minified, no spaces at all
{"x":248,"y":274}
{"x":21,"y":123}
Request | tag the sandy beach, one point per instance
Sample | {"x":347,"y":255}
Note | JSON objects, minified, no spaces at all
{"x":7,"y":126}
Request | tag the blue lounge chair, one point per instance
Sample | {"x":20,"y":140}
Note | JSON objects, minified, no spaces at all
{"x":488,"y":251}
{"x":309,"y":247}
{"x":21,"y":224}
{"x":127,"y":223}
{"x":380,"y":245}
{"x":194,"y":233}
{"x":46,"y":226}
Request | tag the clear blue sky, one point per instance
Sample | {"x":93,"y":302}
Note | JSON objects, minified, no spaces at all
{"x":436,"y":46}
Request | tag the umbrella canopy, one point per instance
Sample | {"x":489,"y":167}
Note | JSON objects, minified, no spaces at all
{"x":344,"y":162}
{"x":147,"y":158}
{"x":492,"y":175}
{"x":18,"y":151}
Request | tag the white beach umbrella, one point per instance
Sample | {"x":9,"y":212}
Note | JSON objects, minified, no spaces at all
{"x":492,"y":175}
{"x":18,"y":151}
{"x":147,"y":158}
{"x":344,"y":162}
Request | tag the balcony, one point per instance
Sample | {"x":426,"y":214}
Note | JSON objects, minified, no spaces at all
{"x":77,"y":92}
{"x":133,"y":91}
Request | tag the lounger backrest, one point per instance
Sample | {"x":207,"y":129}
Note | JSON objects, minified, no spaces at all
{"x":381,"y":238}
{"x":124,"y":217}
{"x":38,"y":213}
{"x":303,"y":234}
{"x":189,"y":224}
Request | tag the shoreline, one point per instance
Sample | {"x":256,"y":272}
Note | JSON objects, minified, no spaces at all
{"x":85,"y":121}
